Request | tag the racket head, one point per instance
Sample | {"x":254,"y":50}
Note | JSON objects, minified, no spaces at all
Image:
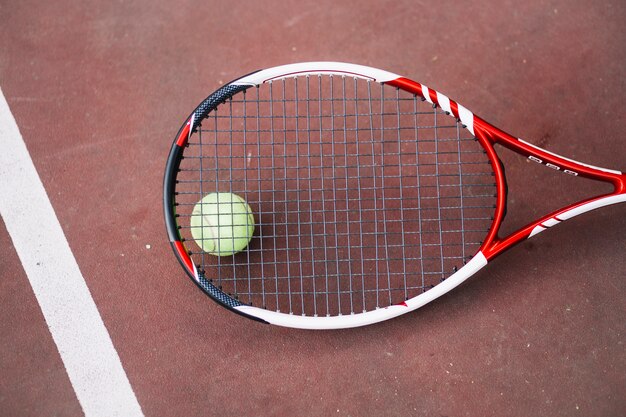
{"x":371,"y":194}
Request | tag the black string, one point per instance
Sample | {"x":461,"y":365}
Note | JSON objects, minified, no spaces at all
{"x":363,"y":195}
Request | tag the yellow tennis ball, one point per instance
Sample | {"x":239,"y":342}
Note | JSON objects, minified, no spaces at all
{"x":222,"y":224}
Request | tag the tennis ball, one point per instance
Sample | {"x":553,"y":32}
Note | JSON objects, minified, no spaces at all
{"x":222,"y":224}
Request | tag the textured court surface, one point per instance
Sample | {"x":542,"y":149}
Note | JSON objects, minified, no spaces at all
{"x":99,"y":90}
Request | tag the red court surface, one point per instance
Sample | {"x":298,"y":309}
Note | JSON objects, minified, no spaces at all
{"x":99,"y":90}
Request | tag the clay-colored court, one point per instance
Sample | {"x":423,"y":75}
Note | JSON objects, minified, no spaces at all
{"x":98,"y":91}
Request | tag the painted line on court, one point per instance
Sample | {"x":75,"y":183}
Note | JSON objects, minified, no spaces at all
{"x":88,"y":354}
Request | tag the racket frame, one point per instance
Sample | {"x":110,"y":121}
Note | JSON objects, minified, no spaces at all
{"x":488,"y":136}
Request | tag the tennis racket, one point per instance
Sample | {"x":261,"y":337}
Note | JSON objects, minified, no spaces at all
{"x":372,"y":194}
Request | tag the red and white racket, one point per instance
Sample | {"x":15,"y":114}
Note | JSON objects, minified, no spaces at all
{"x":372,"y":194}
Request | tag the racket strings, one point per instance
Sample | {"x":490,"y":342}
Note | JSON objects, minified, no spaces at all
{"x":363,"y":195}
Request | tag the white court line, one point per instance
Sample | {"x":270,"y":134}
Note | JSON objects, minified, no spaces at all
{"x":91,"y":361}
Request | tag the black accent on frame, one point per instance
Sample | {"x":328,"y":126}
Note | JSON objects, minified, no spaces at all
{"x":169,"y":189}
{"x":169,"y":184}
{"x":211,"y":102}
